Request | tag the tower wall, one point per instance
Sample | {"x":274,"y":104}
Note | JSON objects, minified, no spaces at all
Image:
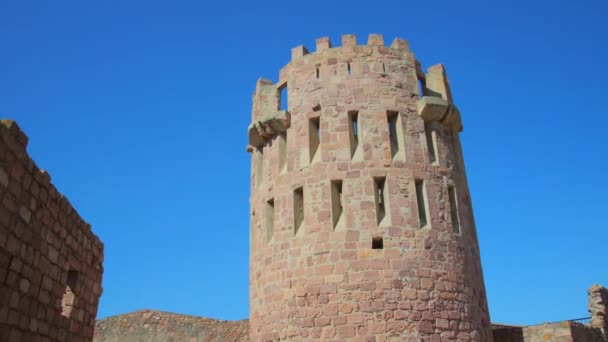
{"x":364,"y":264}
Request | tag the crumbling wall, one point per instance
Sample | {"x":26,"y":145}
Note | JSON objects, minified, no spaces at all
{"x":50,"y":261}
{"x":565,"y":331}
{"x":598,"y":307}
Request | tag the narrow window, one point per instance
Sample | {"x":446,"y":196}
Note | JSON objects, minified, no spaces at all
{"x":454,"y":210}
{"x":421,"y":87}
{"x":69,"y":296}
{"x":336,"y":202}
{"x":377,"y":242}
{"x":260,"y":166}
{"x":421,"y":202}
{"x":348,"y":69}
{"x":393,"y":132}
{"x":269,"y":219}
{"x":458,"y":162}
{"x":282,"y":151}
{"x":380,"y":198}
{"x":318,"y":72}
{"x":314,"y":136}
{"x":353,"y":130}
{"x":283,"y":104}
{"x":298,"y":209}
{"x":383,"y":68}
{"x":431,"y":143}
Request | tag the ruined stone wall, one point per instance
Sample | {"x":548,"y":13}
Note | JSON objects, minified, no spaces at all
{"x":50,"y":261}
{"x":361,"y":232}
{"x":598,"y":307}
{"x":566,"y":331}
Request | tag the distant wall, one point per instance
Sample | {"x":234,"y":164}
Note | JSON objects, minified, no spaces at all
{"x":157,"y":326}
{"x":565,"y":331}
{"x":50,"y":261}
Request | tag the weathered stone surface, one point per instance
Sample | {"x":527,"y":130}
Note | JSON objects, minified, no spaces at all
{"x":50,"y":261}
{"x":331,"y":257}
{"x":157,"y":326}
{"x":598,"y":307}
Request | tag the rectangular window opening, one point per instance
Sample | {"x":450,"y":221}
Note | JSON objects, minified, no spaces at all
{"x":454,"y":210}
{"x":348,"y":69}
{"x":282,"y":151}
{"x":421,"y":202}
{"x":314,"y":136}
{"x":431,"y":140}
{"x":380,"y":198}
{"x":421,"y":87}
{"x":298,"y":209}
{"x":318,"y":72}
{"x":377,"y":242}
{"x":383,"y":68}
{"x":393,"y":136}
{"x":269,"y":219}
{"x":260,"y":166}
{"x":336,"y":202}
{"x":283,"y":99}
{"x":69,"y":296}
{"x":353,"y":129}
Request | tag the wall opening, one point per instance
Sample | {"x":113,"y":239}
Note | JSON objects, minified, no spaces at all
{"x":454,"y":209}
{"x":380,"y":198}
{"x":298,"y":209}
{"x":283,"y":99}
{"x":421,"y":203}
{"x":269,"y":219}
{"x":69,"y":296}
{"x":318,"y":72}
{"x":336,"y":202}
{"x":314,"y":136}
{"x":259,"y":166}
{"x":282,"y":151}
{"x":348,"y":69}
{"x":456,"y":152}
{"x":421,"y":87}
{"x":431,"y":142}
{"x":377,"y":242}
{"x":383,"y":68}
{"x":353,"y":131}
{"x":395,"y":133}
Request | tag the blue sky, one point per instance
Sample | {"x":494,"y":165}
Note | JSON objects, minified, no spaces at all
{"x":139,"y":110}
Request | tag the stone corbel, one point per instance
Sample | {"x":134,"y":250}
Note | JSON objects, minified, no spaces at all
{"x":437,"y":109}
{"x":269,"y":125}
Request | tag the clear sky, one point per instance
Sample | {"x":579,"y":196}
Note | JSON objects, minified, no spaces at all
{"x":139,"y":111}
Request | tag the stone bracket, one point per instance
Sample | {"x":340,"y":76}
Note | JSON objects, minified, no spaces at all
{"x":437,"y":109}
{"x":268,"y":126}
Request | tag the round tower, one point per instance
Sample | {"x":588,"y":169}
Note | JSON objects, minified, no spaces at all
{"x":361,"y":221}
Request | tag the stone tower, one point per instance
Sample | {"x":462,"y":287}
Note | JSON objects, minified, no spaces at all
{"x":361,"y":220}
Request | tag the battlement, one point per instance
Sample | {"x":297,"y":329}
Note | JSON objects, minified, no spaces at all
{"x":393,"y":68}
{"x":350,"y":41}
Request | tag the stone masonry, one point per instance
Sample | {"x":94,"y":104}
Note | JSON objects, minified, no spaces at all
{"x":564,"y":331}
{"x":50,"y":261}
{"x":598,"y":307}
{"x":362,"y":227}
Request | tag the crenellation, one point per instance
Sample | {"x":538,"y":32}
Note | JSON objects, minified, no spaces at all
{"x":375,"y":40}
{"x":401,"y":44}
{"x":323,"y":43}
{"x":298,"y":52}
{"x":349,"y":40}
{"x":437,"y":83}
